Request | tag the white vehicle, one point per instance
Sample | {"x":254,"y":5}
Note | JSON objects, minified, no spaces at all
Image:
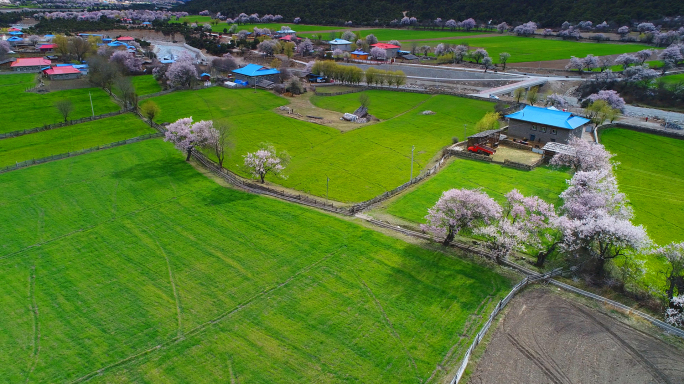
{"x":495,"y":97}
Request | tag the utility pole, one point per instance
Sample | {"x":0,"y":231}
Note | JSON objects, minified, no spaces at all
{"x":412,"y":148}
{"x":465,"y":135}
{"x":91,"y":103}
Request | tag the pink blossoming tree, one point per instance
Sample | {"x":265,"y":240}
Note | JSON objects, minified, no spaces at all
{"x":457,"y":210}
{"x":185,"y":135}
{"x":266,"y":160}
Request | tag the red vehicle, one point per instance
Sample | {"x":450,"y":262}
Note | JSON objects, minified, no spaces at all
{"x":481,"y":149}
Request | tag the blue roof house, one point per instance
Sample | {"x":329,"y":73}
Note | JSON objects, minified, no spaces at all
{"x":252,"y":73}
{"x":343,"y":45}
{"x":542,"y":125}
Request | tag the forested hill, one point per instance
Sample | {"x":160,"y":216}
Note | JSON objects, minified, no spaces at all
{"x":548,"y":13}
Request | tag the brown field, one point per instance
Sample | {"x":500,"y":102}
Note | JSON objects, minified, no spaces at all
{"x":545,"y":338}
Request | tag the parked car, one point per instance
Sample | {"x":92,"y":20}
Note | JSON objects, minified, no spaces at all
{"x":495,"y":97}
{"x":481,"y":149}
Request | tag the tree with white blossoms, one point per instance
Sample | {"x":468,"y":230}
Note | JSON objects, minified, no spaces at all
{"x":673,"y":255}
{"x":611,"y":97}
{"x":458,"y":210}
{"x":266,"y":160}
{"x":182,"y":72}
{"x":371,"y":39}
{"x":521,"y":227}
{"x":575,"y":63}
{"x":348,"y":35}
{"x":556,"y":100}
{"x":478,"y":55}
{"x":186,"y":136}
{"x":675,"y":314}
{"x":378,"y":53}
{"x":594,"y":193}
{"x":586,"y":156}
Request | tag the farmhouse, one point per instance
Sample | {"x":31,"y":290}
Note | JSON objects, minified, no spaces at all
{"x":390,"y":49}
{"x":32,"y":64}
{"x":47,"y":47}
{"x":359,"y":55}
{"x":63,"y":73}
{"x":340,"y":44}
{"x":254,"y":73}
{"x":543,"y":125}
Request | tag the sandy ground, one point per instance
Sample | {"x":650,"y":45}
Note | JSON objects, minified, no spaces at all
{"x":517,"y":155}
{"x":545,"y":338}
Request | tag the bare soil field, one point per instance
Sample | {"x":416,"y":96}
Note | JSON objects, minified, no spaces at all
{"x":545,"y":338}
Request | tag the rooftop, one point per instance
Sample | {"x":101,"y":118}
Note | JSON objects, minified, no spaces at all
{"x":30,"y":62}
{"x":339,"y":42}
{"x":125,"y":38}
{"x":486,"y":133}
{"x":386,"y":46}
{"x":357,"y":52}
{"x":560,"y":119}
{"x":62,"y":70}
{"x":255,"y":70}
{"x":559,"y":148}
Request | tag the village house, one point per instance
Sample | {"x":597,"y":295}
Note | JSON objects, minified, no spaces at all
{"x":542,"y":125}
{"x":390,"y":49}
{"x":30,"y":64}
{"x":359,"y":55}
{"x":252,"y":73}
{"x":340,"y":44}
{"x":62,"y":73}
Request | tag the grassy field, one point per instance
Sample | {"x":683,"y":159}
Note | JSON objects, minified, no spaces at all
{"x":37,"y":109}
{"x":494,"y":179}
{"x":146,"y":84}
{"x":673,"y":79}
{"x":130,"y":257}
{"x":524,"y":49}
{"x":200,"y":20}
{"x":651,"y":173}
{"x":361,"y":164}
{"x":386,"y":34}
{"x":384,"y":105}
{"x":71,"y":138}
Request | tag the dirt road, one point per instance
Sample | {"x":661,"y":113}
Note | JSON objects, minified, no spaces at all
{"x":547,"y":339}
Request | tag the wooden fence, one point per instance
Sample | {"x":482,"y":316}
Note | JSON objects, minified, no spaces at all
{"x":48,"y":127}
{"x":60,"y":156}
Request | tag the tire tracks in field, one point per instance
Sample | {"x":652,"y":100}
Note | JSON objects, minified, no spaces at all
{"x":201,"y":327}
{"x":173,"y":286}
{"x":656,"y":373}
{"x":549,"y":368}
{"x":390,"y":326}
{"x":33,"y":307}
{"x":93,"y":226}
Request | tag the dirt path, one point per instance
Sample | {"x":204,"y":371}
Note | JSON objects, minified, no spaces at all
{"x":545,"y":338}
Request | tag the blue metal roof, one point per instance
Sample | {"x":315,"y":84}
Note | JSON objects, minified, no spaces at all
{"x":205,"y":74}
{"x":255,"y":70}
{"x":560,"y":119}
{"x":14,"y":38}
{"x":339,"y":42}
{"x":359,"y":53}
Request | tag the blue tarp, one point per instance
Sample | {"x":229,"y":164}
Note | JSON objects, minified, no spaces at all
{"x":253,"y":70}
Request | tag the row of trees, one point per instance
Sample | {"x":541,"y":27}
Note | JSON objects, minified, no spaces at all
{"x":355,"y":75}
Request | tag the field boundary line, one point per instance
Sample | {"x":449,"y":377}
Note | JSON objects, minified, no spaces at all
{"x":390,"y":326}
{"x":33,"y":306}
{"x":201,"y":327}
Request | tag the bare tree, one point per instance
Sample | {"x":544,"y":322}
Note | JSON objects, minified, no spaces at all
{"x":65,"y":107}
{"x":79,"y":47}
{"x":219,"y":142}
{"x":126,"y":92}
{"x":101,"y":72}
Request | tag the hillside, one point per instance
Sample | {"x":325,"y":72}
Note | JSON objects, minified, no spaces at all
{"x":549,"y":13}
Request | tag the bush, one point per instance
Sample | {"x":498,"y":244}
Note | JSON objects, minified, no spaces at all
{"x":295,"y":86}
{"x":454,"y":140}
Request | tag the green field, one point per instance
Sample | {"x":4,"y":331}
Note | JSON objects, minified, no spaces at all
{"x":651,"y":174}
{"x":71,"y":138}
{"x":37,"y":109}
{"x":494,"y":179}
{"x":386,"y":34}
{"x":524,"y":49}
{"x":673,"y":79}
{"x":128,"y":265}
{"x":200,"y":20}
{"x":384,"y":105}
{"x":361,"y":164}
{"x":146,"y":84}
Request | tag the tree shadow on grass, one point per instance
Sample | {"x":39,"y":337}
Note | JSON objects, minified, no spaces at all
{"x":167,"y":167}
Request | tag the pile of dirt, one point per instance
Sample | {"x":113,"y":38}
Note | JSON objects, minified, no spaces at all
{"x":547,"y":339}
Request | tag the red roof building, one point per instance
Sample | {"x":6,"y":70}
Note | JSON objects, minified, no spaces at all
{"x":30,"y":64}
{"x":125,"y":38}
{"x":47,"y":47}
{"x":62,"y":73}
{"x":292,"y":38}
{"x":386,"y":46}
